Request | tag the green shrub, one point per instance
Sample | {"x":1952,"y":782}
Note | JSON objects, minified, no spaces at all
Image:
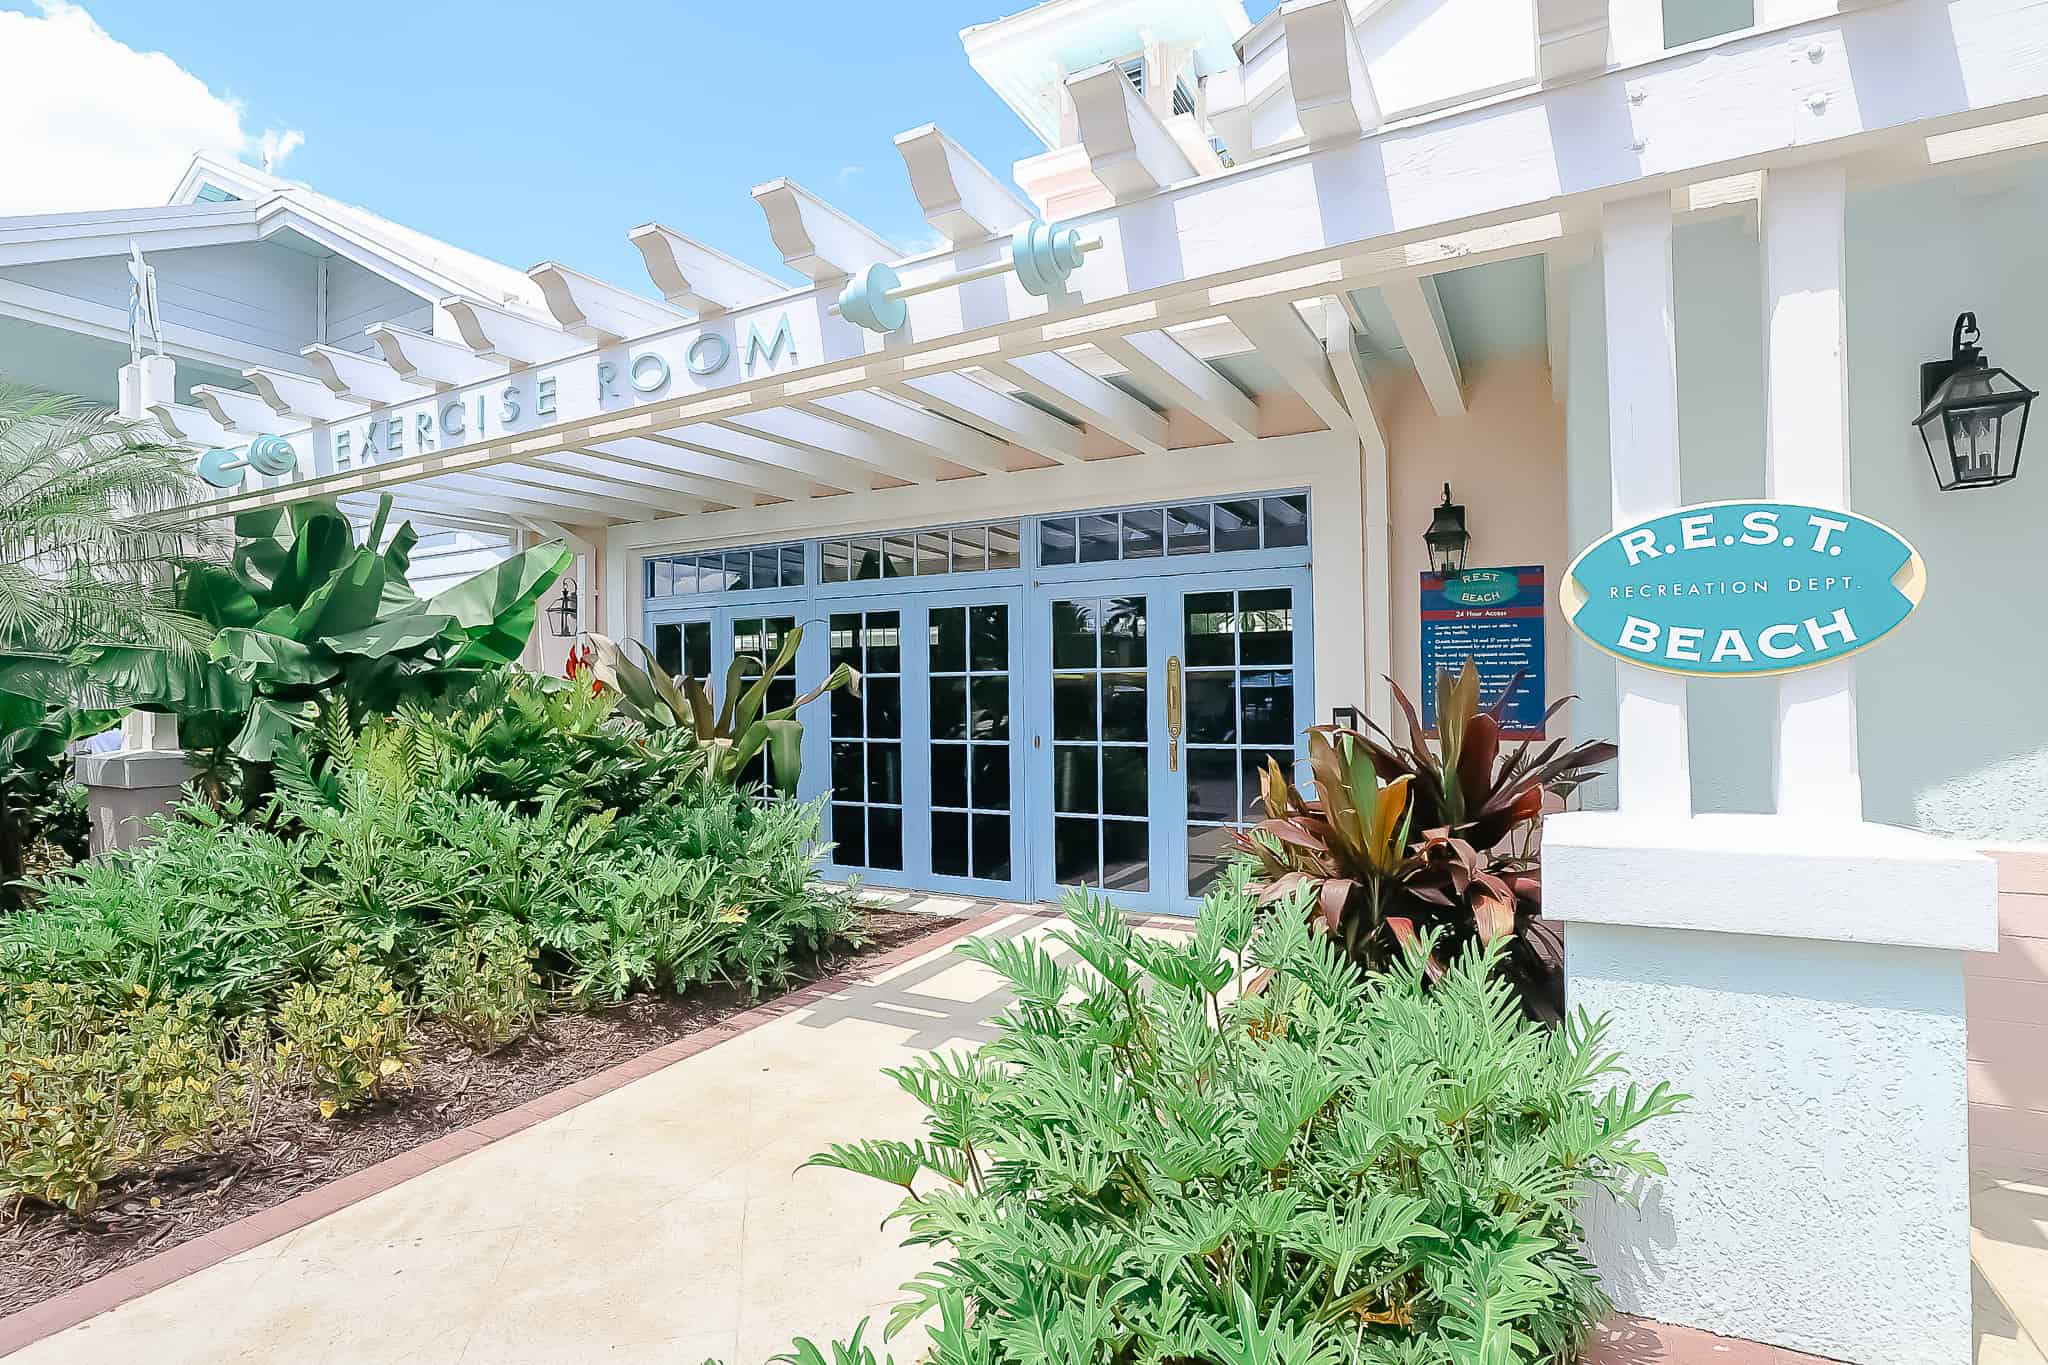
{"x":480,"y":985}
{"x":209,"y":907}
{"x":1335,"y":1167}
{"x":89,"y":1091}
{"x":348,"y":1035}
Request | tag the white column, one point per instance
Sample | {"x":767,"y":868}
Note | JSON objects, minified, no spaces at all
{"x":1373,"y":469}
{"x":1635,"y":31}
{"x":152,"y":379}
{"x":1806,"y":402}
{"x":1655,"y":770}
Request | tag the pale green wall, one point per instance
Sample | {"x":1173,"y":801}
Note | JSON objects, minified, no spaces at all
{"x":1954,"y":728}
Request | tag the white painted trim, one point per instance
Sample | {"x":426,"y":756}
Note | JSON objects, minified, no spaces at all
{"x":1802,"y":221}
{"x":1655,"y":767}
{"x":1419,"y":317}
{"x":961,"y":198}
{"x":816,"y":240}
{"x":700,"y":278}
{"x":1759,"y":874}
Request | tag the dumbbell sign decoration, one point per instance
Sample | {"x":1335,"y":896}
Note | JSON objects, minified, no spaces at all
{"x":1041,"y":254}
{"x":272,"y":455}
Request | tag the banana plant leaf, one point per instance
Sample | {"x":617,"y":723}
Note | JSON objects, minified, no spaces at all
{"x":347,"y":602}
{"x":261,"y":656}
{"x":495,"y":610}
{"x":391,"y":635}
{"x":270,"y":724}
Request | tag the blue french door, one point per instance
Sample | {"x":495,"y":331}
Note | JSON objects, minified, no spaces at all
{"x":924,"y":788}
{"x":1158,"y":702}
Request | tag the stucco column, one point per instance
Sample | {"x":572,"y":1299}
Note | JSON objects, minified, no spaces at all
{"x":1798,"y":974}
{"x":147,"y":774}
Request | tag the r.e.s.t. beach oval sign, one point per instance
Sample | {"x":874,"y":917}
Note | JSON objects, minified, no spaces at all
{"x":1743,"y":588}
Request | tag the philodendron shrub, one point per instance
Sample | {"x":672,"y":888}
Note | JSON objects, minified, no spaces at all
{"x":1148,"y":1165}
{"x":460,"y":869}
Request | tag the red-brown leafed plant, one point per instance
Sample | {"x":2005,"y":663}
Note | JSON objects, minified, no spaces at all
{"x":1405,"y":838}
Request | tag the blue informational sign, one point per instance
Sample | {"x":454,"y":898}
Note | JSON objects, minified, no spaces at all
{"x":1743,"y":589}
{"x":1493,"y":617}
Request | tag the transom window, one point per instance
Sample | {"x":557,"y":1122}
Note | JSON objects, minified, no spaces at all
{"x":1198,"y":528}
{"x":737,"y":570}
{"x":922,"y":554}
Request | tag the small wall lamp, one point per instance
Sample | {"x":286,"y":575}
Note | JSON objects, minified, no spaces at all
{"x":1973,"y":417}
{"x":1447,"y":537}
{"x":562,"y":611}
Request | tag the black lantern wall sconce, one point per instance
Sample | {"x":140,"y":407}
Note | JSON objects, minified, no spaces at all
{"x":1973,"y":416}
{"x":1447,"y":537}
{"x":562,"y":611}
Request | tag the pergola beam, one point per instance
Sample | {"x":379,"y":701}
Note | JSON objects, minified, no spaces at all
{"x":816,"y":240}
{"x":301,"y":396}
{"x":715,"y":476}
{"x":965,"y":399}
{"x":700,"y":278}
{"x":1333,"y":95}
{"x":1285,"y":342}
{"x":710,"y":494}
{"x":589,"y":308}
{"x":765,"y":464}
{"x":430,"y":360}
{"x":1419,"y":317}
{"x":192,"y":424}
{"x":1161,"y":364}
{"x":823,"y":436}
{"x":241,"y":411}
{"x":499,"y":334}
{"x":350,"y":374}
{"x":962,"y":199}
{"x":1052,"y":378}
{"x":892,"y":418}
{"x":1129,"y":150}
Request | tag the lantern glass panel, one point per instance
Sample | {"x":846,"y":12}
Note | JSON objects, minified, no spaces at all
{"x":1973,"y":428}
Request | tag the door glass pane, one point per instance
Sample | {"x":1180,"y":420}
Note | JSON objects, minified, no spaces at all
{"x":756,"y":642}
{"x":867,"y":751}
{"x":1101,"y":751}
{"x":970,"y":703}
{"x":1240,"y":710}
{"x":668,"y":647}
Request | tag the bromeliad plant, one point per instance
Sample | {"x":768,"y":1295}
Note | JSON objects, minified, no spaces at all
{"x":1148,"y":1164}
{"x":731,"y":734}
{"x":1408,"y":840}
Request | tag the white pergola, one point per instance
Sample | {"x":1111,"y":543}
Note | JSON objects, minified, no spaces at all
{"x":1263,"y":260}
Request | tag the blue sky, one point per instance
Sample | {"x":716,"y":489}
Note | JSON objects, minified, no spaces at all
{"x":530,"y":131}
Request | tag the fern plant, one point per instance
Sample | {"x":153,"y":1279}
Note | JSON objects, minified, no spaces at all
{"x":1149,"y":1165}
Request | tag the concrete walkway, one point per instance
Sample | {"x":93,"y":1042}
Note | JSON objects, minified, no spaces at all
{"x":2009,"y":1253}
{"x":666,"y":1220}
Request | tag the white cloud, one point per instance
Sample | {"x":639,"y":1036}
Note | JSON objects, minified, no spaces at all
{"x":92,"y":123}
{"x":846,"y":173}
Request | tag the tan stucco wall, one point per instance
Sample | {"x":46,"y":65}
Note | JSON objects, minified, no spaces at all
{"x":1504,"y":459}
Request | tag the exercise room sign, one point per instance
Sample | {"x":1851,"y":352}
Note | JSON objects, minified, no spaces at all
{"x":1743,"y":589}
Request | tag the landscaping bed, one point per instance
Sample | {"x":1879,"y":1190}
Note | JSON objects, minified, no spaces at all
{"x":47,"y":1250}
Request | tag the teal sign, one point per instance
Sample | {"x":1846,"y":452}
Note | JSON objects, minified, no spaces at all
{"x":271,"y":455}
{"x":1743,"y":589}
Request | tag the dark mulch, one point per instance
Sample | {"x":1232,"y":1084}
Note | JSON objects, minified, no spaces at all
{"x":45,"y":1251}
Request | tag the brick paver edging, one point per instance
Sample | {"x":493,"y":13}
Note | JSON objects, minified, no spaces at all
{"x":117,"y":1287}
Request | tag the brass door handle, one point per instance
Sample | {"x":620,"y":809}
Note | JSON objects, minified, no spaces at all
{"x":1173,"y":713}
